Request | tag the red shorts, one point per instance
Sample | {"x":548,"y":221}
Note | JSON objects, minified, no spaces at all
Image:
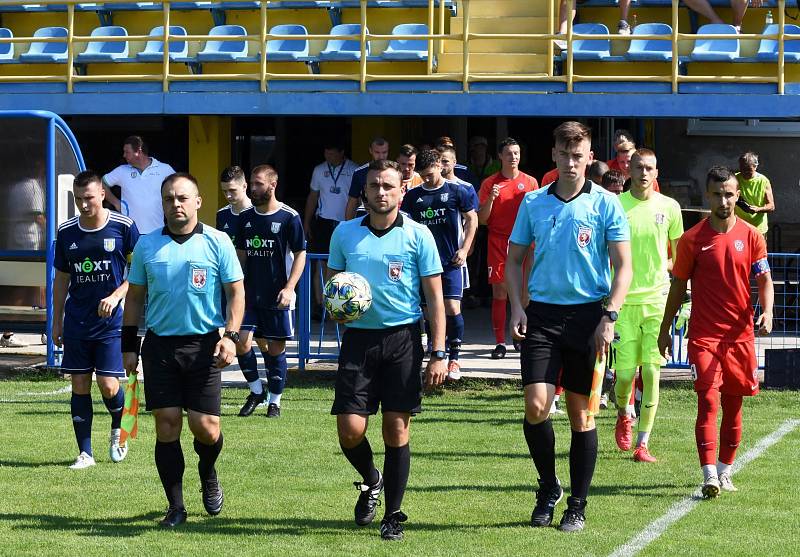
{"x":496,"y":256}
{"x":730,"y":367}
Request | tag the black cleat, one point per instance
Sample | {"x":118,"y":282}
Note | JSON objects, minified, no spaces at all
{"x":499,"y":352}
{"x":175,"y":517}
{"x":573,"y":519}
{"x":547,"y":497}
{"x":253,"y":401}
{"x":392,"y":527}
{"x":273,"y":410}
{"x":368,"y":500}
{"x":212,"y":495}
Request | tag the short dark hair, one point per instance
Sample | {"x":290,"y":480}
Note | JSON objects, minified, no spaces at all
{"x":597,"y":170}
{"x":177,"y":175}
{"x":507,"y":142}
{"x":386,"y":164}
{"x":333,"y":145}
{"x":407,"y":150}
{"x":749,"y":158}
{"x":137,"y":144}
{"x":85,"y":178}
{"x":232,"y":174}
{"x":446,"y":149}
{"x":267,"y":169}
{"x":428,"y":158}
{"x":614,"y":181}
{"x":444,"y":141}
{"x":720,"y":175}
{"x":571,"y":132}
{"x":378,"y":141}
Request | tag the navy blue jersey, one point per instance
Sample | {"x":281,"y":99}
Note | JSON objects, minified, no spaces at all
{"x":463,"y":173}
{"x":270,"y":241}
{"x":440,"y":210}
{"x":96,"y":261}
{"x":228,"y":222}
{"x":359,"y":181}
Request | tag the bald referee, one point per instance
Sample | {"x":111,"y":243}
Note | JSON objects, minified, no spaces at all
{"x":181,"y":270}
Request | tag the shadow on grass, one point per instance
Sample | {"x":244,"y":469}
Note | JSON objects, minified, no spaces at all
{"x":23,"y":464}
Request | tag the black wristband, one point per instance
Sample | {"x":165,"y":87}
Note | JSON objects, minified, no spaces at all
{"x":130,"y":339}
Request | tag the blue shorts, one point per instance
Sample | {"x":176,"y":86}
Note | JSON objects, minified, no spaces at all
{"x":454,"y":280}
{"x":276,"y":324}
{"x":102,"y":356}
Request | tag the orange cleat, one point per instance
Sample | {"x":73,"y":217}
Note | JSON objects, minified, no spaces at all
{"x":622,"y":433}
{"x":641,"y":454}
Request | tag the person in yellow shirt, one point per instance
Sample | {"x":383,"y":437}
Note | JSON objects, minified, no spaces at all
{"x":755,"y":193}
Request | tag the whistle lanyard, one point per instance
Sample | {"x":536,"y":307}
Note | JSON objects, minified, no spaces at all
{"x":335,"y":177}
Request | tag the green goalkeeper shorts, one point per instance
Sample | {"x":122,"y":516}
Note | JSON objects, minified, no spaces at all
{"x":638,"y":326}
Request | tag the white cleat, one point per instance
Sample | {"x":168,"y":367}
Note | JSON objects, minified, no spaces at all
{"x":604,"y":401}
{"x":725,"y":483}
{"x":84,"y":460}
{"x":116,"y":451}
{"x":710,"y":488}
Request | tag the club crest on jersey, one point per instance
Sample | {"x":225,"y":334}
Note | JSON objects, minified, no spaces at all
{"x":133,"y":174}
{"x":660,"y":218}
{"x":584,"y":236}
{"x":395,"y":270}
{"x":109,"y":244}
{"x":199,"y":278}
{"x":520,"y":186}
{"x":276,"y":227}
{"x":739,"y":245}
{"x":444,"y":197}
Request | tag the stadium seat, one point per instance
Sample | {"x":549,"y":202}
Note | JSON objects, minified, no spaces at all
{"x":133,"y":6}
{"x":154,"y":49}
{"x":6,"y":49}
{"x":716,"y":50}
{"x":47,"y":52}
{"x":768,"y":49}
{"x":650,"y":50}
{"x":590,"y":49}
{"x":105,"y":51}
{"x":405,"y":49}
{"x":287,"y":50}
{"x":300,"y":4}
{"x":344,"y":50}
{"x":227,"y":50}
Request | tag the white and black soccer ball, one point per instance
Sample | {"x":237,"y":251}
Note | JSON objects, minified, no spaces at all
{"x":347,"y":296}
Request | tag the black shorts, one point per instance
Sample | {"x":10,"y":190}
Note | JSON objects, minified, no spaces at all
{"x":560,"y":337}
{"x":379,"y":367}
{"x":179,"y":372}
{"x":321,"y":232}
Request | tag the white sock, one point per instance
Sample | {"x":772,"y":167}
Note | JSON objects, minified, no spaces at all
{"x":256,"y":387}
{"x":275,"y":399}
{"x":643,"y":438}
{"x":708,"y":471}
{"x":630,"y":410}
{"x":723,"y":468}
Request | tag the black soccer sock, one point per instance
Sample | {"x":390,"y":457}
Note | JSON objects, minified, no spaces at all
{"x":360,"y":457}
{"x":114,"y":406}
{"x":582,"y":459}
{"x":396,"y":467}
{"x":541,"y":441}
{"x":208,"y":456}
{"x":170,"y":465}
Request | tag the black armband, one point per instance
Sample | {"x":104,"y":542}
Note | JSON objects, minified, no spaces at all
{"x":130,"y":339}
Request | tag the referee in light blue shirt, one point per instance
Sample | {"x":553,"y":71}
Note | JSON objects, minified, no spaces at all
{"x":381,"y":355}
{"x":576,"y":227}
{"x":181,"y":271}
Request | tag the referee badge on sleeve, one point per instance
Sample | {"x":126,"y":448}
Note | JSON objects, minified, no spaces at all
{"x":199,"y":277}
{"x":395,"y":270}
{"x":584,"y":236}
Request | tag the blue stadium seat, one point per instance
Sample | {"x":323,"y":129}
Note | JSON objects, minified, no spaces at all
{"x":227,"y":50}
{"x":344,"y":50}
{"x":404,"y":49}
{"x":105,"y":51}
{"x":316,"y":4}
{"x":287,"y":50}
{"x":650,"y":50}
{"x":716,"y":50}
{"x":47,"y":52}
{"x":768,"y":49}
{"x":590,"y":49}
{"x":154,"y":49}
{"x":133,"y":6}
{"x":6,"y":49}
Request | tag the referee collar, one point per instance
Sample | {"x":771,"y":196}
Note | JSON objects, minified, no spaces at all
{"x":182,"y":238}
{"x":587,"y":189}
{"x":397,"y":222}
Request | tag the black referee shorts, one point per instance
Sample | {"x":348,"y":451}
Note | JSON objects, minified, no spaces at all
{"x":179,"y":372}
{"x":560,"y":337}
{"x":321,"y":232}
{"x":379,"y":367}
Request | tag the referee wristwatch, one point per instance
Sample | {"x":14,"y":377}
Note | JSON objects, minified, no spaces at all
{"x":233,"y":335}
{"x":611,"y":314}
{"x":439,"y":354}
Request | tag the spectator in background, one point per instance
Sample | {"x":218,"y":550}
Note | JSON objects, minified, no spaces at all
{"x":379,"y":151}
{"x":459,"y":170}
{"x":407,"y":159}
{"x":755,"y":193}
{"x":139,"y":180}
{"x":613,"y":181}
{"x":596,"y":172}
{"x":481,"y":164}
{"x":625,"y":148}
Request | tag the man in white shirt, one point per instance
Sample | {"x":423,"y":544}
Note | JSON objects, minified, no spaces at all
{"x":140,"y":184}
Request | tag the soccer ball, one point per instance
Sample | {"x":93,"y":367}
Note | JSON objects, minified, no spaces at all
{"x":347,"y":296}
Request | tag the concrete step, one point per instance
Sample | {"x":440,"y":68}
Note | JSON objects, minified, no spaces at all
{"x":507,"y":63}
{"x":499,"y":45}
{"x":495,"y":24}
{"x":508,"y":8}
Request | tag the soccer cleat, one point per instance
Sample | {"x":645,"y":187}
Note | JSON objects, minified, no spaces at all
{"x":574,"y":518}
{"x":11,"y":342}
{"x":710,"y":488}
{"x":547,"y":497}
{"x":253,"y":401}
{"x":273,"y":410}
{"x":116,"y":451}
{"x":726,"y":483}
{"x":642,"y":454}
{"x":622,"y":433}
{"x":453,"y":371}
{"x":603,"y":401}
{"x":368,"y":501}
{"x":554,"y":409}
{"x":213,"y":497}
{"x":392,"y":527}
{"x":84,"y":460}
{"x":623,"y":28}
{"x":174,"y":517}
{"x":499,"y":352}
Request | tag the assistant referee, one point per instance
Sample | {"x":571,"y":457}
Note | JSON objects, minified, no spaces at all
{"x":181,"y":271}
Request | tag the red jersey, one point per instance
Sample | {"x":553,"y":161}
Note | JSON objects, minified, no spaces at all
{"x":550,"y":177}
{"x":505,"y":206}
{"x":719,"y":265}
{"x":614,"y":165}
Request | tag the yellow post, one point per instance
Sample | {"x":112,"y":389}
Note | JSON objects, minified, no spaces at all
{"x":441,"y":26}
{"x":165,"y":60}
{"x":781,"y":46}
{"x":465,"y":43}
{"x":551,"y":28}
{"x":430,"y":41}
{"x":363,"y":65}
{"x":263,"y":47}
{"x":70,"y":46}
{"x":209,"y":153}
{"x":570,"y":72}
{"x":675,"y":51}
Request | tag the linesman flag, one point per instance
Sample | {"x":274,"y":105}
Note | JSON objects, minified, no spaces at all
{"x":130,"y":410}
{"x":597,"y":384}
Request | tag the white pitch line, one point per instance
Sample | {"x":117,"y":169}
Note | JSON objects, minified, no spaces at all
{"x":680,"y":509}
{"x":60,"y":391}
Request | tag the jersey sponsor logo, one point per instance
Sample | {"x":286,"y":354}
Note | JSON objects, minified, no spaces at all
{"x":73,"y":246}
{"x":109,"y":244}
{"x":739,"y":245}
{"x":444,"y":197}
{"x":199,"y":277}
{"x":660,"y":218}
{"x":276,"y":227}
{"x":395,"y":270}
{"x":92,"y":271}
{"x":584,"y":236}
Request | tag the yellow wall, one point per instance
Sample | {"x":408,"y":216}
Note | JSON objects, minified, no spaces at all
{"x":209,"y":153}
